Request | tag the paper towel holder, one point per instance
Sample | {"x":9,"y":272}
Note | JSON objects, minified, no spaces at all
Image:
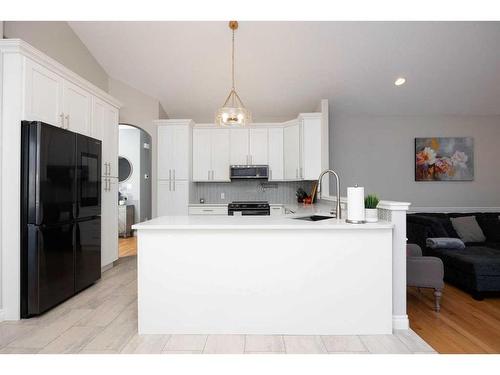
{"x":355,"y":221}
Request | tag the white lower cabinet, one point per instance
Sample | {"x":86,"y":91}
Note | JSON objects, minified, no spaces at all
{"x":173,"y":197}
{"x":109,"y":220}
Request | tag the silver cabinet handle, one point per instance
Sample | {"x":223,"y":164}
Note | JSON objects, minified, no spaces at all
{"x":296,"y":173}
{"x":213,"y":175}
{"x":62,"y":119}
{"x":174,"y":176}
{"x":169,"y":180}
{"x":270,"y":174}
{"x":108,"y":169}
{"x":300,"y":172}
{"x":67,"y":121}
{"x":208,"y":210}
{"x":174,"y":183}
{"x":208,"y":175}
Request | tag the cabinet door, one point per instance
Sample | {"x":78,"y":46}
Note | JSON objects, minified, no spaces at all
{"x":258,"y":146}
{"x":291,"y":137}
{"x":164,"y":198}
{"x":220,"y":154}
{"x":180,"y":152}
{"x":239,"y":147}
{"x":112,"y":128}
{"x":179,"y":201}
{"x":202,"y":148}
{"x":311,"y":148}
{"x":173,"y":152}
{"x":77,"y":108}
{"x":98,"y":120}
{"x":165,"y":162}
{"x":109,"y":221}
{"x":275,"y":154}
{"x":43,"y":95}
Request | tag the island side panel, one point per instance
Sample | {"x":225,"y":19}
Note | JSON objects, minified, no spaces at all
{"x":301,"y":282}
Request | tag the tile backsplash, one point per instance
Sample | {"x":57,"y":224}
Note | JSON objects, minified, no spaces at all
{"x":273,"y":192}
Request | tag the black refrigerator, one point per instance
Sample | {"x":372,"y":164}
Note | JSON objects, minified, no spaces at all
{"x":60,"y":215}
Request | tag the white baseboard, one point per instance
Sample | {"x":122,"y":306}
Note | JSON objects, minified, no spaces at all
{"x":107,"y":267}
{"x":400,"y":322}
{"x":453,"y":209}
{"x":2,"y":316}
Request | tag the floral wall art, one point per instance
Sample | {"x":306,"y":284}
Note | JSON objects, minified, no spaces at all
{"x":444,"y":159}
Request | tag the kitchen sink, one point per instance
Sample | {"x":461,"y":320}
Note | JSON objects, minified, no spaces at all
{"x":314,"y":218}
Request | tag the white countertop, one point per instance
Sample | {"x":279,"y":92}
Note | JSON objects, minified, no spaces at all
{"x":253,"y":222}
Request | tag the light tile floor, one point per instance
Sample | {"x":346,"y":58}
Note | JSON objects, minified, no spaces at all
{"x":103,"y":319}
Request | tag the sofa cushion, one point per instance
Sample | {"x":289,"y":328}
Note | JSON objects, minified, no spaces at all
{"x":478,"y":260}
{"x":490,"y":227}
{"x":468,"y":229}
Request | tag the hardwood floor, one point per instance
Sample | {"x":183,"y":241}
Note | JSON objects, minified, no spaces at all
{"x":127,"y":246}
{"x":103,"y":320}
{"x":464,"y":325}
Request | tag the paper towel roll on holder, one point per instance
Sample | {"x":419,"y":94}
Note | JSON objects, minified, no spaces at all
{"x":354,"y":221}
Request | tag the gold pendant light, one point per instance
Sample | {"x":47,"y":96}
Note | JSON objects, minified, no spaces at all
{"x":233,"y":111}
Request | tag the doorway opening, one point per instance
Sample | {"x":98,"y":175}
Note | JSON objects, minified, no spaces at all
{"x":134,"y":189}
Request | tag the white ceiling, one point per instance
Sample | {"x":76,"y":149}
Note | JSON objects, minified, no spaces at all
{"x":283,"y":68}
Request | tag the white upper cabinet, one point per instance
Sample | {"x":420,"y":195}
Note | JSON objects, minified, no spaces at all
{"x":104,"y":126}
{"x":239,"y":154}
{"x":77,"y":104}
{"x":310,"y":146}
{"x":211,"y":155}
{"x":291,"y":153}
{"x":202,"y":151}
{"x":220,"y":154}
{"x":275,"y":148}
{"x":248,"y":146}
{"x":173,"y":152}
{"x":43,"y":95}
{"x":258,"y":151}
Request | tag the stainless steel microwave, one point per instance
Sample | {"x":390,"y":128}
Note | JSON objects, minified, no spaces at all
{"x":249,"y":171}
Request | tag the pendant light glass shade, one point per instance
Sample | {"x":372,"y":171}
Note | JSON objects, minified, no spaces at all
{"x":233,"y":111}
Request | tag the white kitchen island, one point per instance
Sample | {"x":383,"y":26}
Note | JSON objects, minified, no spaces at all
{"x":264,"y":275}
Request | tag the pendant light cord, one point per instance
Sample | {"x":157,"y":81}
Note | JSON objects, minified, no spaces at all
{"x":232,"y":65}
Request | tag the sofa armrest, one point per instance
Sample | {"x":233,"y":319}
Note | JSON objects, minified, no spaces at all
{"x":425,"y":272}
{"x":413,"y":250}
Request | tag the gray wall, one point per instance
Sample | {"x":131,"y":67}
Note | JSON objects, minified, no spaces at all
{"x":378,"y":153}
{"x":59,"y":41}
{"x":130,"y":148}
{"x":140,"y":110}
{"x":274,"y":192}
{"x":145,"y":156}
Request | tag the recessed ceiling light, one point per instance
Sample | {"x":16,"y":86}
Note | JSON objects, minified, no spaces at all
{"x":400,"y":81}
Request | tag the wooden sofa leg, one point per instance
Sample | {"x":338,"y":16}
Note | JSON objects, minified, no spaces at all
{"x":437,"y":299}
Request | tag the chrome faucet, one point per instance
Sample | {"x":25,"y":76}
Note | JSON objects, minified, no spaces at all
{"x":338,"y":212}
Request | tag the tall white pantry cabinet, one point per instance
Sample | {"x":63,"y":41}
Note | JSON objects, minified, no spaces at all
{"x":175,"y":138}
{"x":35,"y":87}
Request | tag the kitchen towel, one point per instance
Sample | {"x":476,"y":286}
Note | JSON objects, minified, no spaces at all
{"x":355,"y":204}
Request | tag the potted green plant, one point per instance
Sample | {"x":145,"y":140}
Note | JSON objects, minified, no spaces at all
{"x":371,"y":212}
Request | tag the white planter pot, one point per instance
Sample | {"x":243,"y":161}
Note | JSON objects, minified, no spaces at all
{"x":371,"y":215}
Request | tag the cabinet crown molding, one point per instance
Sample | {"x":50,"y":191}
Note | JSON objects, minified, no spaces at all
{"x":21,"y":47}
{"x":187,"y":122}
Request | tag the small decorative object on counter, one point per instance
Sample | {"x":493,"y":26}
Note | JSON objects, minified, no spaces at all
{"x":371,"y":212}
{"x":301,"y":195}
{"x":355,"y":205}
{"x":202,"y":200}
{"x":308,"y":200}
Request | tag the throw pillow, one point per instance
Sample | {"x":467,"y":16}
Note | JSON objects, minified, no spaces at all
{"x":491,"y":228}
{"x":468,"y":229}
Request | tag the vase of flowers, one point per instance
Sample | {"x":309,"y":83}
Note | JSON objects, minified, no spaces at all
{"x":371,"y":212}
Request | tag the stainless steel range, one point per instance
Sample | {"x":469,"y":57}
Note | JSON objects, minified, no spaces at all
{"x":248,"y":208}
